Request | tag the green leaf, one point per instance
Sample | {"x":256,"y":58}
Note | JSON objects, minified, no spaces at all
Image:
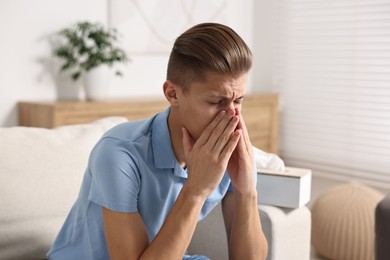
{"x":86,"y":45}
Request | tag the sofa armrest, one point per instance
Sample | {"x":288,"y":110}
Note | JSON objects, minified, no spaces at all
{"x":287,"y":232}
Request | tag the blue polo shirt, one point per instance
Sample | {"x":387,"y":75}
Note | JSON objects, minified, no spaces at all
{"x":131,"y":169}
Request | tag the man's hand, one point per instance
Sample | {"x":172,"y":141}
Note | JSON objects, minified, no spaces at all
{"x":246,"y":239}
{"x":240,"y":167}
{"x":208,"y":157}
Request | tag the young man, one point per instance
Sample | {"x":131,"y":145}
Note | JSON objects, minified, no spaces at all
{"x":148,"y":182}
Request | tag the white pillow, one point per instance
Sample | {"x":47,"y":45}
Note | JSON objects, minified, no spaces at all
{"x":40,"y":175}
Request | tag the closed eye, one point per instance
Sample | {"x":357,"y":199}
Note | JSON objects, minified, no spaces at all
{"x":239,"y":100}
{"x":224,"y":101}
{"x":215,"y":102}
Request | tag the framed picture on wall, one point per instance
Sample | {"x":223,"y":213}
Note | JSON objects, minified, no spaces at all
{"x":150,"y":27}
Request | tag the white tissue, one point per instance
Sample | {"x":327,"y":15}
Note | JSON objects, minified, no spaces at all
{"x":267,"y":160}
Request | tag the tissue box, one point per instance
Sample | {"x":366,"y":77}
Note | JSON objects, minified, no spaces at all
{"x":290,"y":188}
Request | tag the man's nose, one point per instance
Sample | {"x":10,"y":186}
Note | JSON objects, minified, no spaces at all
{"x":231,"y":107}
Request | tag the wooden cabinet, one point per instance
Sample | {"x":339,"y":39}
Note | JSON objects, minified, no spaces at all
{"x":260,"y":114}
{"x":261,"y":118}
{"x":57,"y":113}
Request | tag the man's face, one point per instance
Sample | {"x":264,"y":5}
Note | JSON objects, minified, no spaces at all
{"x":202,"y":102}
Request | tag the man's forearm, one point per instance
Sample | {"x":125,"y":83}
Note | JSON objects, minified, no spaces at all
{"x":175,"y":235}
{"x":246,"y":240}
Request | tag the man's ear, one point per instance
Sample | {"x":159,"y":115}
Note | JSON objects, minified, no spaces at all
{"x":171,"y":92}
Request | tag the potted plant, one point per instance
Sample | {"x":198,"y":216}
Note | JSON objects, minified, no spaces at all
{"x":89,"y":50}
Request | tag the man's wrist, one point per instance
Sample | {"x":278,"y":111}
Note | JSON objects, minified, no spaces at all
{"x":194,"y":194}
{"x":246,"y":197}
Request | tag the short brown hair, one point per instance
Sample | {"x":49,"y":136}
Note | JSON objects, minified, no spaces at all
{"x":207,"y":47}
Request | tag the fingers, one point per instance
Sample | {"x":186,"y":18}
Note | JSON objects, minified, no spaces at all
{"x":223,"y":138}
{"x":210,"y":128}
{"x":223,"y":133}
{"x":229,"y":148}
{"x":219,"y":137}
{"x":218,"y":132}
{"x":245,"y":135}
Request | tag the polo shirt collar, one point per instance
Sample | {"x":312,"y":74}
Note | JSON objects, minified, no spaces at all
{"x":161,"y":140}
{"x":164,"y":157}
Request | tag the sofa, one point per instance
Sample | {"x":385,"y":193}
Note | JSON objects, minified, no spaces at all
{"x":382,"y":229}
{"x":40,"y":174}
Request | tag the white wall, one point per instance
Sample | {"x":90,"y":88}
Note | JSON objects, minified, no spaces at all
{"x":26,"y":74}
{"x":263,"y":38}
{"x":24,"y":27}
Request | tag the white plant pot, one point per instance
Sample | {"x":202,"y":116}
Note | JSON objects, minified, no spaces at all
{"x":97,"y":82}
{"x":67,"y":88}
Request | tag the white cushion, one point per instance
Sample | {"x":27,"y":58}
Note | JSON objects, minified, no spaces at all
{"x":40,"y":175}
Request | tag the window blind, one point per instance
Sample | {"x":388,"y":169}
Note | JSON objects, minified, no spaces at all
{"x":331,"y":67}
